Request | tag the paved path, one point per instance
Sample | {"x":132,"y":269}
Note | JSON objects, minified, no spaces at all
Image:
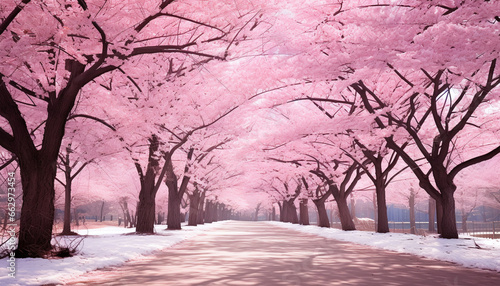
{"x":256,"y":253}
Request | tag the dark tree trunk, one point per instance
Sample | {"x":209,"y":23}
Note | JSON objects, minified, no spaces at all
{"x":5,"y":219}
{"x":439,"y":215}
{"x":273,"y":214}
{"x":411,"y":202}
{"x":159,"y":219}
{"x":37,"y":211}
{"x":126,"y":214}
{"x":38,"y":166}
{"x":194,"y":202}
{"x":292,"y":212}
{"x":344,"y":213}
{"x":382,"y":219}
{"x":342,"y":193}
{"x":174,"y":210}
{"x":282,"y":211}
{"x":67,"y":209}
{"x":174,"y":217}
{"x":304,"y":212}
{"x":322,"y":213}
{"x":375,"y":211}
{"x":147,"y":195}
{"x":145,"y":213}
{"x":353,"y":207}
{"x":448,"y":220}
{"x":208,"y":212}
{"x":201,"y":212}
{"x":432,"y":214}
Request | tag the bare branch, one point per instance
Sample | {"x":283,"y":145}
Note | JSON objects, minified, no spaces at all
{"x":8,"y":162}
{"x":73,"y":116}
{"x":473,"y":161}
{"x":296,"y":162}
{"x":6,"y":22}
{"x":158,"y":15}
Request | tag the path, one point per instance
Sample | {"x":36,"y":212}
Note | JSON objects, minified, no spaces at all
{"x":256,"y":253}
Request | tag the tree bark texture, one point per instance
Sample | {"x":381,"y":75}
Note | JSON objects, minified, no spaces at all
{"x":304,"y":212}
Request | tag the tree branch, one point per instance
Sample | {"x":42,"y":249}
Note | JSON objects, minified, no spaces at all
{"x":6,"y":22}
{"x":8,"y":162}
{"x":157,"y":15}
{"x":473,"y":161}
{"x":80,"y":169}
{"x":73,"y":116}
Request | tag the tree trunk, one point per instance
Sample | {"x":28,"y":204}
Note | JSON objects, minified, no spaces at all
{"x":273,"y":214}
{"x":331,"y":215}
{"x":439,"y":215}
{"x":67,"y":209}
{"x":411,"y":202}
{"x":147,"y":195}
{"x":145,"y":212}
{"x":38,"y":167}
{"x":126,"y":214}
{"x":174,"y":216}
{"x":304,"y":212}
{"x":129,"y":219}
{"x":194,"y":202}
{"x":133,"y":218}
{"x":344,"y":214}
{"x":282,"y":211}
{"x":201,"y":211}
{"x":5,"y":219}
{"x":102,"y":211}
{"x":174,"y":210}
{"x":37,"y":211}
{"x":375,"y":210}
{"x":75,"y":215}
{"x":256,"y":216}
{"x":322,"y":213}
{"x":208,"y":212}
{"x":160,"y":218}
{"x":353,"y":206}
{"x":448,"y":220}
{"x":382,"y":219}
{"x":432,"y":214}
{"x":464,"y":220}
{"x":216,"y":212}
{"x":290,"y":212}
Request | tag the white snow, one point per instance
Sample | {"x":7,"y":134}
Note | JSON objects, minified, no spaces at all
{"x":462,"y":251}
{"x":101,"y":247}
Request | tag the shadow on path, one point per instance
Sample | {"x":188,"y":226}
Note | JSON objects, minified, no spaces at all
{"x":256,"y":253}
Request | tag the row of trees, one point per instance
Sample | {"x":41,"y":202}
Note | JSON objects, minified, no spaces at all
{"x":107,"y":64}
{"x":365,"y":91}
{"x":417,"y":92}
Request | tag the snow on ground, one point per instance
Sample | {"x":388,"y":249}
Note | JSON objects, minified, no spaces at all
{"x":101,"y":247}
{"x":462,"y":251}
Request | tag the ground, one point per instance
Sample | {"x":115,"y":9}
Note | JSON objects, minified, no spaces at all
{"x":262,"y":253}
{"x":257,"y":253}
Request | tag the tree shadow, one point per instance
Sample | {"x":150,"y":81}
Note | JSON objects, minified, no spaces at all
{"x":255,"y":253}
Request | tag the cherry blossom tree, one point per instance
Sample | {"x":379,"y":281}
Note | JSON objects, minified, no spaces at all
{"x":82,"y":42}
{"x":415,"y":76}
